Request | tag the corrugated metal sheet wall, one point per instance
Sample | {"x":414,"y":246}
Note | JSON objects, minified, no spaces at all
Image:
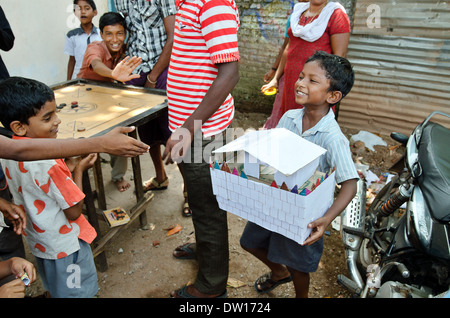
{"x":402,"y":67}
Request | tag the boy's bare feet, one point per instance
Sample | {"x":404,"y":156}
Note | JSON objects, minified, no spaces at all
{"x":122,"y":185}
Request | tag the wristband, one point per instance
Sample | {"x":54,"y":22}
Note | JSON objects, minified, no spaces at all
{"x":150,"y":81}
{"x":274,"y":69}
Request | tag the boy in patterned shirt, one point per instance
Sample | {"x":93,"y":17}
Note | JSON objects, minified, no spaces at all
{"x":57,"y":233}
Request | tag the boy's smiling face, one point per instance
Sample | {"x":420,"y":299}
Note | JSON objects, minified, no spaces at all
{"x":114,"y":37}
{"x":44,"y":124}
{"x":84,"y":12}
{"x":312,"y":86}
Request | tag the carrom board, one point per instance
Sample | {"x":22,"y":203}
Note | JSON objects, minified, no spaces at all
{"x":103,"y":106}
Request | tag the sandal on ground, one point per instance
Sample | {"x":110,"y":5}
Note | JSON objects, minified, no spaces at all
{"x":186,"y":251}
{"x":153,"y":184}
{"x":182,"y":293}
{"x":266,"y":283}
{"x":186,"y":209}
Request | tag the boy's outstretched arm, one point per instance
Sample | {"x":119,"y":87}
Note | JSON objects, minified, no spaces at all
{"x":346,"y":194}
{"x":115,"y":142}
{"x":122,"y":72}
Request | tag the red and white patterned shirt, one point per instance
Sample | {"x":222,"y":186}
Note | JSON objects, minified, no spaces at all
{"x":44,"y":189}
{"x":205,"y":35}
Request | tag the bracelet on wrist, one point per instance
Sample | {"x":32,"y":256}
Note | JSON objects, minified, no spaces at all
{"x":150,"y":81}
{"x":274,"y":68}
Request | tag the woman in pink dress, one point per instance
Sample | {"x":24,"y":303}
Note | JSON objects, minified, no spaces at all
{"x":317,"y":25}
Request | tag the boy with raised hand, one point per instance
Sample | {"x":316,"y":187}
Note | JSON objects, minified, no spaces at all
{"x":103,"y":61}
{"x":57,"y":233}
{"x":78,"y":39}
{"x":323,"y":82}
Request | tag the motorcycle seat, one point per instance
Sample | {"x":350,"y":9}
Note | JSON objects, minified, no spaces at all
{"x":434,"y":158}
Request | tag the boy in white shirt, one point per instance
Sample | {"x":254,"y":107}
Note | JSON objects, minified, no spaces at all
{"x":78,"y":39}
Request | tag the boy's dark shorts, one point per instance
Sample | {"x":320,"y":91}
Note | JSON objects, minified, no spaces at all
{"x":282,"y":250}
{"x":156,"y":131}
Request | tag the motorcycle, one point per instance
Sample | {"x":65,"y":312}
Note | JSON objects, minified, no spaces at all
{"x":399,"y":247}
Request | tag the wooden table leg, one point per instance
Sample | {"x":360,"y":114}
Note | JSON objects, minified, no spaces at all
{"x":136,"y":164}
{"x":101,"y":197}
{"x":93,"y":220}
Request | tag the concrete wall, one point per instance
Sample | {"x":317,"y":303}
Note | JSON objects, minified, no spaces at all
{"x":40,"y":28}
{"x":260,"y":37}
{"x":400,"y":52}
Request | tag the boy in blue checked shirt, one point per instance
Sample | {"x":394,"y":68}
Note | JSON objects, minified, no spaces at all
{"x":324,"y":81}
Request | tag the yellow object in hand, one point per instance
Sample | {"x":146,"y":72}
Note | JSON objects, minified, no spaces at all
{"x":270,"y":91}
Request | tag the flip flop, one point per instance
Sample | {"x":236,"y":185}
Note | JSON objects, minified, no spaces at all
{"x":186,"y":209}
{"x":267,"y":283}
{"x":187,"y":212}
{"x":187,"y":251}
{"x":153,"y":184}
{"x":182,"y":293}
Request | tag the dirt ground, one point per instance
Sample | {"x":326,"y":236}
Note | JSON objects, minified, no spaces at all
{"x":140,"y":262}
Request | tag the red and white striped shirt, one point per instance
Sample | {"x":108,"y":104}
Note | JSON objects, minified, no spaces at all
{"x":205,"y":35}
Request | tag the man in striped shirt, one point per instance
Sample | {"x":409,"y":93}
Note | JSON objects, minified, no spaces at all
{"x":203,"y":71}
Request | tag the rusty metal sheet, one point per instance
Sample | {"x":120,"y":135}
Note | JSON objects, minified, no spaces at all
{"x":399,"y":79}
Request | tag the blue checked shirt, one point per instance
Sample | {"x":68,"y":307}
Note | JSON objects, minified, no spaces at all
{"x":327,"y":134}
{"x":145,"y":22}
